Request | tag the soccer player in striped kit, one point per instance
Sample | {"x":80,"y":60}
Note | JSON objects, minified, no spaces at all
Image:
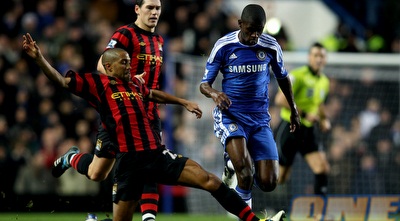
{"x":145,"y":48}
{"x":241,"y":117}
{"x":141,"y":158}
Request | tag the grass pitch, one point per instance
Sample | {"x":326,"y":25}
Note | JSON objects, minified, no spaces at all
{"x":31,"y":216}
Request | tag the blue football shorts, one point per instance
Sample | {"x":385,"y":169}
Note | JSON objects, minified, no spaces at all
{"x":254,"y":127}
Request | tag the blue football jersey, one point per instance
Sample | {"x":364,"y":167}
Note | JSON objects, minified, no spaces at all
{"x":245,"y":70}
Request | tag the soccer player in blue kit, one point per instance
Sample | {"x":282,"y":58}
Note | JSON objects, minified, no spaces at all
{"x":241,"y":117}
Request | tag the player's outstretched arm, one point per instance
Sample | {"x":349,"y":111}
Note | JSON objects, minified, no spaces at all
{"x":162,"y":97}
{"x":32,"y":50}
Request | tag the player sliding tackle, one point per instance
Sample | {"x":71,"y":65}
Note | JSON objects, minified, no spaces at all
{"x":140,"y":158}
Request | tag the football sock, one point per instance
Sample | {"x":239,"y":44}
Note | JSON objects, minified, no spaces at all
{"x":149,"y":202}
{"x":81,"y":161}
{"x":245,"y":195}
{"x":321,"y":184}
{"x":70,"y":157}
{"x":232,"y":202}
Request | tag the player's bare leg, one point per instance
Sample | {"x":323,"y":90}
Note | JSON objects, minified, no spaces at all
{"x":193,"y":175}
{"x":266,"y":174}
{"x":320,"y":167}
{"x":284,"y":174}
{"x":100,"y":168}
{"x":123,"y":210}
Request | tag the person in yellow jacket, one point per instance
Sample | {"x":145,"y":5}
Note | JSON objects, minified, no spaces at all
{"x":310,"y":89}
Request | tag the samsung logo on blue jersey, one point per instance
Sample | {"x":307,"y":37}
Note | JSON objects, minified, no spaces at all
{"x":247,"y":68}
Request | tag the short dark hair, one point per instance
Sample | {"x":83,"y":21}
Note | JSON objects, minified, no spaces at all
{"x":139,"y":2}
{"x":253,"y":13}
{"x":316,"y":45}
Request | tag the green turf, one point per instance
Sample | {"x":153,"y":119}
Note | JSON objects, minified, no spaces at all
{"x":81,"y":217}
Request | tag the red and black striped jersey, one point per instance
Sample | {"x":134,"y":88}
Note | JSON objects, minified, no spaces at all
{"x":121,"y":108}
{"x":146,"y":52}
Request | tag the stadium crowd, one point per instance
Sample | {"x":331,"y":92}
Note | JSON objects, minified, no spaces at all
{"x":39,"y":122}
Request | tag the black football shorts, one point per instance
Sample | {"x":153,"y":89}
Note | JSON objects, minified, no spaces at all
{"x":104,"y":147}
{"x":302,"y":140}
{"x":135,"y":169}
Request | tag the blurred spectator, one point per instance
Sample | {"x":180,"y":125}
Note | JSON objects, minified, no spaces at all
{"x":55,"y":36}
{"x":370,"y":117}
{"x":395,"y":132}
{"x":217,"y":12}
{"x":199,"y":37}
{"x":46,"y":12}
{"x":9,"y":84}
{"x":50,"y":139}
{"x":392,"y":185}
{"x":82,"y":47}
{"x":337,"y":40}
{"x":334,"y":107}
{"x":10,"y":163}
{"x":19,"y":156}
{"x":107,"y":9}
{"x":35,"y":178}
{"x":351,"y":44}
{"x":10,"y":23}
{"x":69,"y":58}
{"x":74,"y":10}
{"x":384,"y":150}
{"x":367,"y":179}
{"x":71,"y":183}
{"x":395,"y":45}
{"x":30,"y":23}
{"x":231,"y":24}
{"x":4,"y":136}
{"x":341,"y":168}
{"x":180,"y":21}
{"x":381,"y":130}
{"x":374,"y":42}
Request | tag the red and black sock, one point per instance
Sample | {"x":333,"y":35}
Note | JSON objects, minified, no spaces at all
{"x":81,"y":162}
{"x":232,"y":202}
{"x":149,"y":202}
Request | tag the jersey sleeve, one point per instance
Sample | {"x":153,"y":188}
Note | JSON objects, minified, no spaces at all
{"x":277,"y":64}
{"x":85,"y":86}
{"x":213,"y":65}
{"x":119,"y":39}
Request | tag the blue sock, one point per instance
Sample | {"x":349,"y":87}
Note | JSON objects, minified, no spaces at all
{"x":245,"y":195}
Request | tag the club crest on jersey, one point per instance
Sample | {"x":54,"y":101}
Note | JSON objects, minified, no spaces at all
{"x":112,"y":44}
{"x":232,"y":127}
{"x":99,"y":144}
{"x":142,"y":44}
{"x":113,"y":82}
{"x":261,"y":55}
